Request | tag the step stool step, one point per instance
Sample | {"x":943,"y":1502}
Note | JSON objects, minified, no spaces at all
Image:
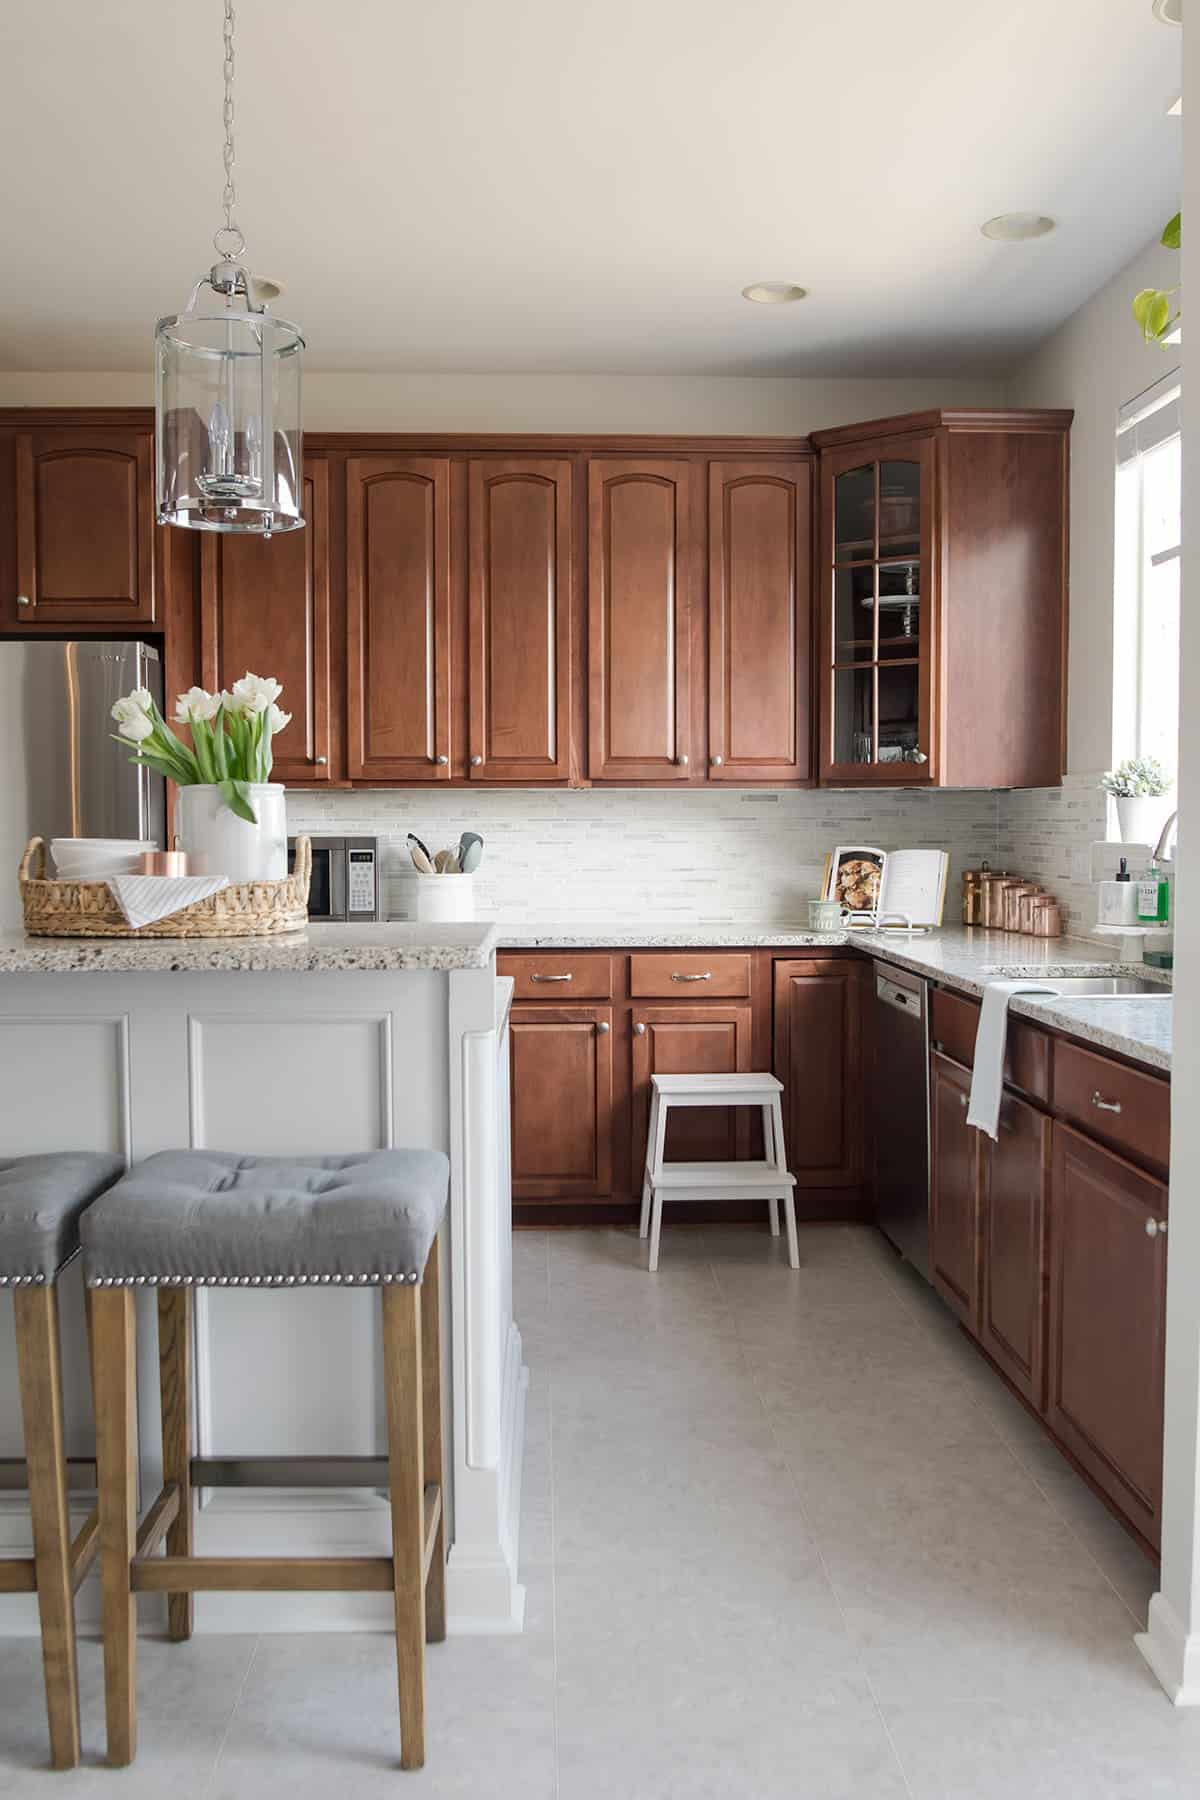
{"x":752,"y":1175}
{"x":717,"y":1084}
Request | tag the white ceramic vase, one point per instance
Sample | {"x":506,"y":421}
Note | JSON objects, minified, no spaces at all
{"x":219,"y":843}
{"x":1140,"y":817}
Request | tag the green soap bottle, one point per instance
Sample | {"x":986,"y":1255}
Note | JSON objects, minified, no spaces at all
{"x":1153,"y":896}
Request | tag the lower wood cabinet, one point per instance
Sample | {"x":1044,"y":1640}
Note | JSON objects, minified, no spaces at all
{"x":691,"y":1039}
{"x":1014,"y":1179}
{"x":818,"y":1041}
{"x":953,"y":1190}
{"x":1107,"y":1316}
{"x":562,"y":1086}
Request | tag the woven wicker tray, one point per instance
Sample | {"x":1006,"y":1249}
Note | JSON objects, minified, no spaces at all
{"x":87,"y":908}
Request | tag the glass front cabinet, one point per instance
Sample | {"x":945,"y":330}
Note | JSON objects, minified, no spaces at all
{"x":878,"y":585}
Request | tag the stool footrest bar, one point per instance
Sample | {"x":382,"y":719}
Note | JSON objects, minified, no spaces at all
{"x":158,"y":1521}
{"x":84,"y":1546}
{"x":433,"y":1514}
{"x":263,"y":1574}
{"x":290,"y":1471}
{"x":18,"y":1575}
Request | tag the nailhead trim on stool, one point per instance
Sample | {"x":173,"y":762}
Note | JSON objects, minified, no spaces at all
{"x":98,"y":1281}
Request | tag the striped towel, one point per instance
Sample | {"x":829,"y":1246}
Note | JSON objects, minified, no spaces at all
{"x":144,"y":899}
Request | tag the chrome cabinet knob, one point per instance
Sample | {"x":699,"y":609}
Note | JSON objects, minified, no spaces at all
{"x":716,"y":761}
{"x":1156,"y":1228}
{"x":602,"y":1026}
{"x":24,"y":600}
{"x":476,"y":761}
{"x":640,"y":1030}
{"x":320,"y":761}
{"x":682,"y":760}
{"x":441,"y":761}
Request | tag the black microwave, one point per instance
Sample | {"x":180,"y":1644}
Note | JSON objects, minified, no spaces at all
{"x":345,"y":877}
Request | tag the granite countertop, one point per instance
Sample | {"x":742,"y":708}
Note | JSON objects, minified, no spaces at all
{"x":959,"y":957}
{"x":383,"y":948}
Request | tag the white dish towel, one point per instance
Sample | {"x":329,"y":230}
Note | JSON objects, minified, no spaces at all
{"x":144,"y":899}
{"x":988,"y":1077}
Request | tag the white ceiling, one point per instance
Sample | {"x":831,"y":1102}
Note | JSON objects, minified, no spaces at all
{"x":584,"y":185}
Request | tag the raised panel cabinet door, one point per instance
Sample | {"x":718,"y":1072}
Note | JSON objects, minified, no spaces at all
{"x":85,"y":528}
{"x":264,"y":606}
{"x":520,"y":620}
{"x":640,"y":548}
{"x":398,"y":618}
{"x":696,"y":1039}
{"x":1015,"y":1180}
{"x":562,"y":1082}
{"x":759,"y":621}
{"x":1108,"y":1292}
{"x":953,"y":1191}
{"x":818,"y":1041}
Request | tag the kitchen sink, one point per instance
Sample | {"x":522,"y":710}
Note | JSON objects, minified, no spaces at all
{"x":1090,"y":987}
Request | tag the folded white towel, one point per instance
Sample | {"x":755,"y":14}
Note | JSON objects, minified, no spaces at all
{"x":987,"y":1079}
{"x":144,"y":899}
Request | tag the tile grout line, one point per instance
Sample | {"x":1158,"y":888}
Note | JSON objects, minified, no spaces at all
{"x":233,"y":1712}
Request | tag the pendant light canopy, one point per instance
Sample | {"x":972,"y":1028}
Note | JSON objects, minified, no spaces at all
{"x":229,"y":447}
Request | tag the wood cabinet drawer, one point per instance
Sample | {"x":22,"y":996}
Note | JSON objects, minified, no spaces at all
{"x":544,"y":976}
{"x":676,"y":975}
{"x":1129,"y":1109}
{"x":955,"y":1020}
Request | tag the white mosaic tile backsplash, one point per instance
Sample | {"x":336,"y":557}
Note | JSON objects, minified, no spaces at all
{"x":611,"y":856}
{"x":1047,"y":834}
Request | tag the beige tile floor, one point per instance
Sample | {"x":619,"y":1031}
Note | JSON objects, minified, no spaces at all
{"x":784,"y":1535}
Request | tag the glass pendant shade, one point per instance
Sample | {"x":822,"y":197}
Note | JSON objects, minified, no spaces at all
{"x":229,"y":450}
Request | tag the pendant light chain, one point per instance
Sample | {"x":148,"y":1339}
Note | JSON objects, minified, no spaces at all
{"x":228,"y":241}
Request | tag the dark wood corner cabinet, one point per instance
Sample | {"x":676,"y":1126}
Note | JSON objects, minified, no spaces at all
{"x":942,"y":600}
{"x":568,"y":611}
{"x":590,"y":1028}
{"x":1050,"y":1243}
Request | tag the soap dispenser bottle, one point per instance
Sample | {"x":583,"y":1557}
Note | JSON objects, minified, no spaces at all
{"x":1119,"y":899}
{"x":1153,"y":896}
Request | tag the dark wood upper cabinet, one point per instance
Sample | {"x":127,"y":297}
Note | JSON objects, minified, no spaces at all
{"x":398,"y":618}
{"x":759,"y":621}
{"x":953,"y":1191}
{"x":640,"y":560}
{"x":1108,"y":1294}
{"x":85,"y":531}
{"x":819,"y":1004}
{"x":521,"y":580}
{"x":264,"y":606}
{"x":943,"y":600}
{"x":562,"y":1085}
{"x":1015,"y":1180}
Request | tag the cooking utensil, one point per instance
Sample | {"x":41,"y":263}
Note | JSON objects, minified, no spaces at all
{"x":470,"y":852}
{"x":426,"y":852}
{"x":446,"y":863}
{"x":420,"y":856}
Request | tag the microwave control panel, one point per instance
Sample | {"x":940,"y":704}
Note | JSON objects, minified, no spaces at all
{"x":360,"y":883}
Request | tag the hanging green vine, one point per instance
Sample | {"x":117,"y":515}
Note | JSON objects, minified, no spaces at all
{"x":1152,"y":307}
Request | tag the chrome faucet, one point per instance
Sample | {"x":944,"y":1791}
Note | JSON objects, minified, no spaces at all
{"x":1160,"y":849}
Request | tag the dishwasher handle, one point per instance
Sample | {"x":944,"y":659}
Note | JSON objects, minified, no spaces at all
{"x":906,"y":1000}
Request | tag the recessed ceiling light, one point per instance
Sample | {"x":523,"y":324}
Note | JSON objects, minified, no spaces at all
{"x":773,"y":293}
{"x":1013,"y":228}
{"x":1168,"y":12}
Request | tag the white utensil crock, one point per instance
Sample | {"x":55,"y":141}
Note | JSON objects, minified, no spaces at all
{"x":217,"y":842}
{"x":443,"y":898}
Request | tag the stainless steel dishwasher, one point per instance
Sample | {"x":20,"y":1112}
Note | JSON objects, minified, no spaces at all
{"x":898,"y":1111}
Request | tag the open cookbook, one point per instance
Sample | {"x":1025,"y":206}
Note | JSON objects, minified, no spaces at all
{"x":870,"y":883}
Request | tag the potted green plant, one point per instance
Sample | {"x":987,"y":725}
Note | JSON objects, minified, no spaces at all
{"x":230,"y":815}
{"x":1152,"y":307}
{"x":1139,"y":786}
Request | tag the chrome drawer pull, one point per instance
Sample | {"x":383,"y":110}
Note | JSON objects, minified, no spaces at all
{"x":602,"y":1026}
{"x":707,"y":976}
{"x":1156,"y":1228}
{"x":1113,"y":1106}
{"x":551,"y":978}
{"x":640,"y":1030}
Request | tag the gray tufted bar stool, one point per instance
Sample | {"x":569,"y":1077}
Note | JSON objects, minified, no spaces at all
{"x":188,"y":1219}
{"x":41,"y":1201}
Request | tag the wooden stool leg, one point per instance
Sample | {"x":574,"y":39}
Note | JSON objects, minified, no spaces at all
{"x":175,"y":1387}
{"x":406,"y":1474}
{"x":36,"y":1313}
{"x":431,"y":1432}
{"x":115,"y":1381}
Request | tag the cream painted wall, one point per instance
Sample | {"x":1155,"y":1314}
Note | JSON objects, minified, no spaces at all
{"x":1095,"y":362}
{"x":600,"y":403}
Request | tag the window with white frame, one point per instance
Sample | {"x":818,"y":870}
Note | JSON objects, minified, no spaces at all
{"x":1147,"y":576}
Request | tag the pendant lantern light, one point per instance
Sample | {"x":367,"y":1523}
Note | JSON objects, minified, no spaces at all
{"x":227,"y":389}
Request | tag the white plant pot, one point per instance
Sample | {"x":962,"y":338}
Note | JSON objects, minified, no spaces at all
{"x":444,"y":898}
{"x":219,"y":843}
{"x":1141,"y":817}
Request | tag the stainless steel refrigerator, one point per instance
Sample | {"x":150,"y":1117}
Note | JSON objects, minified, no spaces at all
{"x":61,"y":772}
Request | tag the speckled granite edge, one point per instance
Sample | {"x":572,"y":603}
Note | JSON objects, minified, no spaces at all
{"x":1134,"y":1025}
{"x":378,"y":949}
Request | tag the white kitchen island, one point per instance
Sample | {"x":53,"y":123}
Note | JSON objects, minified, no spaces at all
{"x":338,"y":1038}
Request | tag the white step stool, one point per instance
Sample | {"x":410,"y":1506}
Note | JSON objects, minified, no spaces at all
{"x":767,"y":1180}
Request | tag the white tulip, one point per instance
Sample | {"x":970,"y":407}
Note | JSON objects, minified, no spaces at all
{"x":197,"y":703}
{"x":277,"y":718}
{"x":136,"y":727}
{"x":255,"y":693}
{"x":134,"y":709}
